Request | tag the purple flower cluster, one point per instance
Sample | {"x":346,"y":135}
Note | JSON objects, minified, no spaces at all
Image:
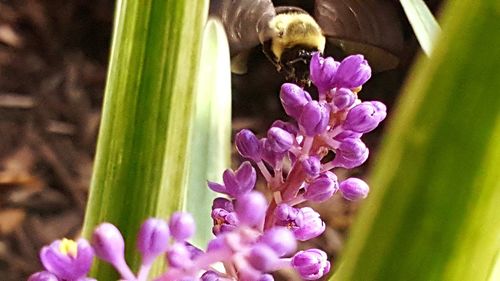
{"x":252,"y":236}
{"x":333,"y":123}
{"x":290,"y":158}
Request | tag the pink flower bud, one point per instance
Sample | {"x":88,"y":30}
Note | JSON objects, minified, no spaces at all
{"x":152,"y":239}
{"x":262,"y":257}
{"x":351,"y":153}
{"x":293,"y":98}
{"x":279,"y":140}
{"x":182,"y":225}
{"x":311,"y":166}
{"x":248,"y":145}
{"x":365,"y":117}
{"x":322,"y":72}
{"x":280,"y":239}
{"x":309,"y":225}
{"x":352,"y":72}
{"x":251,"y":208}
{"x":322,"y":187}
{"x":311,"y":264}
{"x":314,"y":118}
{"x":354,"y":189}
{"x":343,"y":98}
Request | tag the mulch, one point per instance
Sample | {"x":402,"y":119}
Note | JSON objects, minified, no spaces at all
{"x":53,"y":57}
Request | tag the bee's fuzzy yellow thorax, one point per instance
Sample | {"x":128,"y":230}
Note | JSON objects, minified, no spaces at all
{"x":292,"y":29}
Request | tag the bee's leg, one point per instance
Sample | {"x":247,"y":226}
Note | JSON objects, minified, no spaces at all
{"x":290,"y":72}
{"x":298,"y":71}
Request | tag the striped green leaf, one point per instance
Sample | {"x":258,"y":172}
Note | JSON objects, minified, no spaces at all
{"x":141,"y":165}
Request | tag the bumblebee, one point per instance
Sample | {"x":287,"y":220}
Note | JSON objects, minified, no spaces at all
{"x":295,"y":37}
{"x":290,"y":35}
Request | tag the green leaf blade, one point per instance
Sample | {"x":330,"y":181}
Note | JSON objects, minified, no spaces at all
{"x":140,"y":164}
{"x":211,"y":140}
{"x":433,"y":213}
{"x":424,"y":24}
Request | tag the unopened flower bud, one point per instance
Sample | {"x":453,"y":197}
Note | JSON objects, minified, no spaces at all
{"x":365,"y":117}
{"x":322,"y":71}
{"x":210,"y":276}
{"x":352,"y":72}
{"x":314,"y":118}
{"x":354,"y":189}
{"x":269,"y":155}
{"x":293,"y":99}
{"x":248,"y":145}
{"x":43,"y":276}
{"x":381,"y":109}
{"x":279,"y":140}
{"x":322,"y":187}
{"x":309,"y":226}
{"x":67,"y":259}
{"x":346,"y":134}
{"x":287,"y":126}
{"x":219,"y":244}
{"x":178,"y":256}
{"x":262,"y":257}
{"x":251,"y":208}
{"x":311,"y":166}
{"x":152,"y":239}
{"x":311,"y":264}
{"x":280,"y":239}
{"x":351,"y":153}
{"x":285,"y":213}
{"x":238,"y":182}
{"x":182,"y":225}
{"x":108,"y":244}
{"x":343,"y":98}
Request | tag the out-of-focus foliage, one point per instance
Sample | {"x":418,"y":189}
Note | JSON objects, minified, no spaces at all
{"x":211,"y":140}
{"x":434,"y":211}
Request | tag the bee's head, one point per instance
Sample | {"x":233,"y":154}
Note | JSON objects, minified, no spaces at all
{"x":295,"y":63}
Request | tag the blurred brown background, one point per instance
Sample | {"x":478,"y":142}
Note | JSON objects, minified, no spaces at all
{"x":53,"y":57}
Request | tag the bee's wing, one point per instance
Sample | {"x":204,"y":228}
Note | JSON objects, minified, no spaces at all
{"x":245,"y":21}
{"x":369,"y":27}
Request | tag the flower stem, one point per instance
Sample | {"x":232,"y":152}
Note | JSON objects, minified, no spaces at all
{"x":294,"y":181}
{"x":144,"y":272}
{"x":308,"y":142}
{"x":124,"y":270}
{"x":265,"y":172}
{"x":269,"y":221}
